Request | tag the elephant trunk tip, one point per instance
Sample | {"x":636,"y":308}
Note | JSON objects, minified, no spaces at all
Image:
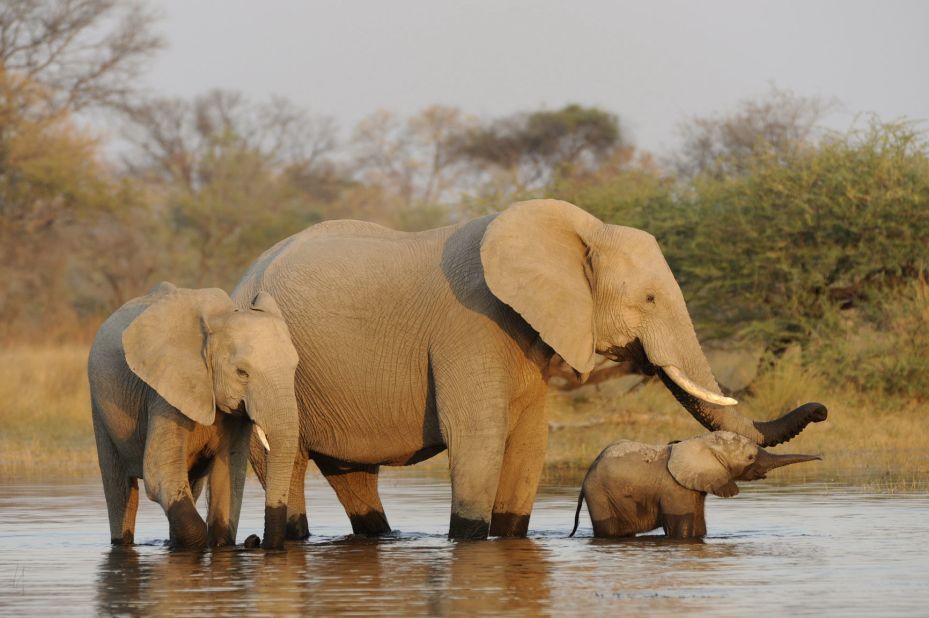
{"x":790,"y":425}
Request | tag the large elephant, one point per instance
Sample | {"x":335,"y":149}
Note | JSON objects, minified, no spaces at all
{"x":160,"y":368}
{"x":413,"y":343}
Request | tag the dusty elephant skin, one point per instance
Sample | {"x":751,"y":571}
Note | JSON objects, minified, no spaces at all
{"x":633,"y":487}
{"x":413,"y":343}
{"x":160,"y":369}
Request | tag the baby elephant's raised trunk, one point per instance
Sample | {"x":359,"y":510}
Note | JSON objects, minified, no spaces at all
{"x":765,"y":462}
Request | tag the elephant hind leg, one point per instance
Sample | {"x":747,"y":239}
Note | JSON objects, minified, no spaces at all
{"x":120,"y":490}
{"x":356,"y":488}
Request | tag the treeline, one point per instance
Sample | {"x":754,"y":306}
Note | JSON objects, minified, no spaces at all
{"x":778,"y":230}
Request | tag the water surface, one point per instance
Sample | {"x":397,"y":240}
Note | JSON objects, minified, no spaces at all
{"x":803,"y":550}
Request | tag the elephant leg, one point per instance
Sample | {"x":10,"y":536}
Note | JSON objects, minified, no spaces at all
{"x":196,"y":487}
{"x":227,"y":481}
{"x":356,"y":488}
{"x":523,"y":459}
{"x":682,"y":517}
{"x":120,"y":490}
{"x":166,"y":476}
{"x":298,"y":527}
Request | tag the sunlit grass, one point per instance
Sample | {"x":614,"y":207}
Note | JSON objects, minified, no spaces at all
{"x":45,"y":423}
{"x":874,"y":445}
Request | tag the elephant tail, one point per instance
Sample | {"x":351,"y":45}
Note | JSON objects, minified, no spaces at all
{"x":577,"y":513}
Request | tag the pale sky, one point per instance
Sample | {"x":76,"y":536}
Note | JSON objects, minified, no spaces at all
{"x":654,"y":63}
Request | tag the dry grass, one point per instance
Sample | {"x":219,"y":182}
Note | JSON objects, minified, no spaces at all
{"x":45,"y":412}
{"x":46,"y":426}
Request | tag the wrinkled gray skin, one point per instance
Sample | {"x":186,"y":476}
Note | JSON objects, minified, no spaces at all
{"x":633,"y":487}
{"x":177,"y":379}
{"x":413,"y":343}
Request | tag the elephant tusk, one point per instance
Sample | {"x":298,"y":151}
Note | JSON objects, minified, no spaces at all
{"x":695,"y":389}
{"x":262,"y":437}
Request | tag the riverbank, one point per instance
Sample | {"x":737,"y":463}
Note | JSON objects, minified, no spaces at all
{"x":47,"y":432}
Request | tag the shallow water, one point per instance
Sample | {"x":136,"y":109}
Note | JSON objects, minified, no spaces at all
{"x":804,"y":550}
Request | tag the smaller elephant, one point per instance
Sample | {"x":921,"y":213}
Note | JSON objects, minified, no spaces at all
{"x":178,"y":380}
{"x":633,"y":487}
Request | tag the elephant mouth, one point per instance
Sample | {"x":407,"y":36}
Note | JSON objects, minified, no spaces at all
{"x":634,"y":354}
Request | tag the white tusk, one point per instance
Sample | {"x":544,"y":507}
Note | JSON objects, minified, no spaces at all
{"x":696,"y":390}
{"x":262,"y":437}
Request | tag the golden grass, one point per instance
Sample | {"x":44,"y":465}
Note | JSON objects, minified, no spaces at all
{"x":45,"y":424}
{"x":880,"y":446}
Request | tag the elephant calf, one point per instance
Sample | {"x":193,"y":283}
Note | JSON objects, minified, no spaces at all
{"x":633,"y":487}
{"x":178,"y":378}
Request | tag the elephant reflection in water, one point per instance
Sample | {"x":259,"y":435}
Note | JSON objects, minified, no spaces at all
{"x":405,"y":578}
{"x":135,"y":583}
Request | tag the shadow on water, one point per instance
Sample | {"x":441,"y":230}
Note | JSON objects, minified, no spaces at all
{"x":805,"y":550}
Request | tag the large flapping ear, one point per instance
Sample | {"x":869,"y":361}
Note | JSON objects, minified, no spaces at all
{"x":265,"y":303}
{"x":535,"y":260}
{"x":693,"y":463}
{"x":166,"y":346}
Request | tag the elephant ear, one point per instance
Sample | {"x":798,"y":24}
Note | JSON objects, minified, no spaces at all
{"x":265,"y":303}
{"x":535,"y":259}
{"x":167,"y":347}
{"x":695,"y":465}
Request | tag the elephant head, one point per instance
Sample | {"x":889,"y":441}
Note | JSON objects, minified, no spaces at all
{"x":202,"y":354}
{"x":588,"y":287}
{"x":712,"y":462}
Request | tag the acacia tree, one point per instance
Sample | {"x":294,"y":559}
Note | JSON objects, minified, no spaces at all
{"x":535,"y":149}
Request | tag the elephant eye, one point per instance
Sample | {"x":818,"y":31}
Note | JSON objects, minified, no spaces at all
{"x":751,"y":458}
{"x":650,"y":298}
{"x":242,"y":373}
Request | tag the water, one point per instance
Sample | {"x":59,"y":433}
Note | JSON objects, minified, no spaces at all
{"x":805,"y":550}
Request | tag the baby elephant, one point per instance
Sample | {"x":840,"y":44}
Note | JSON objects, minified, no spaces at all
{"x":633,"y":487}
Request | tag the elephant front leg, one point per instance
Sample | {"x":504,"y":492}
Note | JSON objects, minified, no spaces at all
{"x":356,"y":488}
{"x":683,"y":517}
{"x":521,"y":472}
{"x":298,"y":528}
{"x":227,"y":480}
{"x":474,"y":461}
{"x":165,"y":474}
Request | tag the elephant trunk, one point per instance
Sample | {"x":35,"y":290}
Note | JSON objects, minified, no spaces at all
{"x":696,"y":389}
{"x":275,"y":411}
{"x":766,"y":462}
{"x":786,"y":427}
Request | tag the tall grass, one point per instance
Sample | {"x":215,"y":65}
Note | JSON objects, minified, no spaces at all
{"x":45,"y":423}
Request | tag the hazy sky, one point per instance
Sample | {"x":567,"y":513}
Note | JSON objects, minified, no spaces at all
{"x":654,"y":63}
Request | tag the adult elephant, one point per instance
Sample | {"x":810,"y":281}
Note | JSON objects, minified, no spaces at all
{"x":413,"y":343}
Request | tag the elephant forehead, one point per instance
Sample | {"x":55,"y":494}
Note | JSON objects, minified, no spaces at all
{"x":628,"y":448}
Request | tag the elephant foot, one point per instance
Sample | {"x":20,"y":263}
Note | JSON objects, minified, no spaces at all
{"x":372,"y":523}
{"x":298,"y":529}
{"x":187,"y":528}
{"x":275,"y":527}
{"x":463,"y":528}
{"x":509,"y":524}
{"x":221,"y":535}
{"x":128,"y":538}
